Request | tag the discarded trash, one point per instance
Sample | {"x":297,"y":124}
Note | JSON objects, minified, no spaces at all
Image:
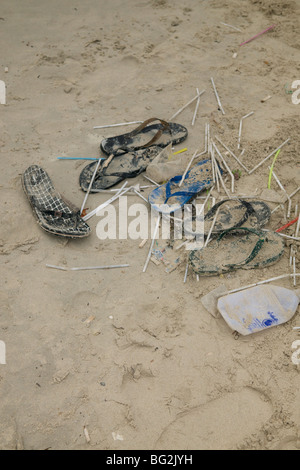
{"x":258,"y":308}
{"x":2,"y":92}
{"x":210,"y":300}
{"x":257,"y":35}
{"x":84,"y":268}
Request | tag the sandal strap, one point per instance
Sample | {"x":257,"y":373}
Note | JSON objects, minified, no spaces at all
{"x":249,"y":211}
{"x":175,"y":180}
{"x":258,"y":246}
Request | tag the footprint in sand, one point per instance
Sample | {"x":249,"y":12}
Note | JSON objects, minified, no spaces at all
{"x":220,"y":424}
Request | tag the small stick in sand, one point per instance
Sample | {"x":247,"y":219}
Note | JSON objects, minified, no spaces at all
{"x":152,"y":243}
{"x":257,"y":35}
{"x":217,"y":96}
{"x":187,"y":104}
{"x":233,"y":155}
{"x":197,"y":106}
{"x":240,"y":128}
{"x":116,"y":125}
{"x":270,"y":155}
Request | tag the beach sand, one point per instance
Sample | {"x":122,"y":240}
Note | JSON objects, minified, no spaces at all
{"x":133,"y":357}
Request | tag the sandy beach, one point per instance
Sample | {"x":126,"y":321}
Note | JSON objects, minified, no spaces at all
{"x":121,"y":359}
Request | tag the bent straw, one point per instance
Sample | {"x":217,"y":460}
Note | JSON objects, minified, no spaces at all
{"x":116,"y":125}
{"x":241,"y":125}
{"x":152,"y":243}
{"x":271,"y":168}
{"x":290,"y":196}
{"x":217,"y":96}
{"x":265,"y":159}
{"x":261,"y":282}
{"x":109,"y":201}
{"x":87,"y":267}
{"x":257,"y":35}
{"x":233,"y":155}
{"x":196,"y":109}
{"x":187,"y":104}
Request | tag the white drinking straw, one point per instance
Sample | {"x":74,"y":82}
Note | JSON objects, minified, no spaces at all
{"x":187,"y":168}
{"x":152,"y":243}
{"x":196,"y":109}
{"x":233,"y":155}
{"x":116,"y":125}
{"x":217,"y":96}
{"x":84,"y":268}
{"x":230,"y":26}
{"x":187,"y":104}
{"x":261,"y":282}
{"x":109,"y":201}
{"x":270,"y":155}
{"x":240,"y":129}
{"x":226,"y":166}
{"x":90,"y":185}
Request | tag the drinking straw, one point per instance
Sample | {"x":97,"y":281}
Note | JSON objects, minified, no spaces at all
{"x":149,"y":179}
{"x":287,"y":225}
{"x":226,"y":166}
{"x":109,"y":201}
{"x":187,"y":168}
{"x":266,"y":158}
{"x":240,"y":128}
{"x":230,"y":26}
{"x":90,"y":185}
{"x":217,"y":96}
{"x":187,"y":104}
{"x":116,"y":125}
{"x":152,"y":243}
{"x":211,"y":228}
{"x":233,"y":155}
{"x":271,"y":169}
{"x":87,"y":267}
{"x":180,"y":151}
{"x":290,"y":196}
{"x":261,"y":282}
{"x":79,"y":158}
{"x":186,"y":272}
{"x":196,"y":109}
{"x":257,"y":35}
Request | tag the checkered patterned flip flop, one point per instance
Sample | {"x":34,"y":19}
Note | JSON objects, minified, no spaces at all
{"x":54,"y":214}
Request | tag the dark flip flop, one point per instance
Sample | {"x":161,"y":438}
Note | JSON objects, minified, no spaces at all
{"x":53,"y":213}
{"x":254,"y":249}
{"x":127,"y":165}
{"x":234,"y":213}
{"x":146,"y":134}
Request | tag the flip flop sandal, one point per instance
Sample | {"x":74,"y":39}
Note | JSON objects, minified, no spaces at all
{"x":170,"y":197}
{"x":234,"y":213}
{"x":53,"y":213}
{"x":144,"y":136}
{"x":255,"y":249}
{"x":127,"y":165}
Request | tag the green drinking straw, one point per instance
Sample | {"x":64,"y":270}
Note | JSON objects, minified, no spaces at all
{"x":271,"y":169}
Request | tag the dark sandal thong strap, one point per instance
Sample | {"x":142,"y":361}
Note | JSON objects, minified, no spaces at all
{"x":249,"y":211}
{"x":255,"y":250}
